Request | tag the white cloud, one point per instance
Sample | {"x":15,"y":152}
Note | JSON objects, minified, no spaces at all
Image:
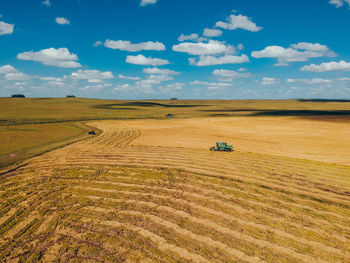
{"x":51,"y":79}
{"x":339,"y":3}
{"x":56,"y":83}
{"x":209,"y":32}
{"x":92,"y":75}
{"x":211,"y":84}
{"x":153,"y":80}
{"x":52,"y":57}
{"x":7,"y":69}
{"x":142,"y":60}
{"x":159,"y":78}
{"x":183,"y":37}
{"x":62,"y":21}
{"x":94,"y":80}
{"x":97,"y":43}
{"x":23,"y":83}
{"x":121,"y":76}
{"x":269,"y":81}
{"x":11,"y":73}
{"x":310,"y":81}
{"x":160,"y":71}
{"x":147,"y":2}
{"x":213,"y":47}
{"x":17,"y":76}
{"x":124,"y":87}
{"x":46,"y":2}
{"x":171,"y":87}
{"x":92,"y":88}
{"x":330,"y":66}
{"x":5,"y":28}
{"x":296,"y":53}
{"x":344,"y":79}
{"x":128,"y":46}
{"x":211,"y":60}
{"x":239,"y":21}
{"x":310,"y":47}
{"x":229,"y":75}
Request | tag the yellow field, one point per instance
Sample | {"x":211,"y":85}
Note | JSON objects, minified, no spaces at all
{"x":151,"y":191}
{"x":283,"y":136}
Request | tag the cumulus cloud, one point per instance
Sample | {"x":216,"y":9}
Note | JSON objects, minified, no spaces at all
{"x":212,"y":60}
{"x":296,"y":53}
{"x":60,"y":57}
{"x":46,"y":2}
{"x":209,"y":32}
{"x":269,"y":81}
{"x":229,"y":75}
{"x":330,"y":66}
{"x":62,"y":21}
{"x":7,"y":69}
{"x":93,"y":76}
{"x":5,"y":28}
{"x":339,"y":3}
{"x":11,"y":73}
{"x":183,"y":37}
{"x":121,"y":76}
{"x":128,"y":46}
{"x":234,"y":22}
{"x":17,"y":76}
{"x":147,"y":2}
{"x":310,"y":47}
{"x":213,"y":47}
{"x":142,"y":60}
{"x":157,"y":71}
{"x":146,"y":84}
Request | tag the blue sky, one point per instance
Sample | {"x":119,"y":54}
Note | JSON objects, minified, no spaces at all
{"x":191,"y":49}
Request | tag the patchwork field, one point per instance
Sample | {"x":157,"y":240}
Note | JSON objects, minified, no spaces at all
{"x":150,"y":191}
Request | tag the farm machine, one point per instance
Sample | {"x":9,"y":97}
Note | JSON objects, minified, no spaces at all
{"x":222,"y":147}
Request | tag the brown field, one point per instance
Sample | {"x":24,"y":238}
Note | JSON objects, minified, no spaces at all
{"x":151,"y":191}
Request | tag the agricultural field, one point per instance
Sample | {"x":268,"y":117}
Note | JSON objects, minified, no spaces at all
{"x":48,"y":110}
{"x":151,"y":191}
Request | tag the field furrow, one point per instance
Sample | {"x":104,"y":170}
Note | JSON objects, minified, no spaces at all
{"x":108,"y":199}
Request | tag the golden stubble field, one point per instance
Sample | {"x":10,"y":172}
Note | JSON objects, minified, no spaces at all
{"x":151,"y":191}
{"x":282,"y":136}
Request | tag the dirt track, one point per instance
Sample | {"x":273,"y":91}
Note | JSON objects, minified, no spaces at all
{"x":132,"y":195}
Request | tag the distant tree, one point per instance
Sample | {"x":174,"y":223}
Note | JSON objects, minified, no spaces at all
{"x":18,"y":96}
{"x":70,"y":96}
{"x":173,"y":98}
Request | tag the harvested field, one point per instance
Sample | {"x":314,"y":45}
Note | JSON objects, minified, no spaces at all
{"x":140,"y":193}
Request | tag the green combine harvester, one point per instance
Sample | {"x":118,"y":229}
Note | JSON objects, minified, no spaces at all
{"x":222,"y":147}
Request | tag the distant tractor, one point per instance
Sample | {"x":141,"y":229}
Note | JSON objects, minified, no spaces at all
{"x":222,"y":147}
{"x":92,"y":132}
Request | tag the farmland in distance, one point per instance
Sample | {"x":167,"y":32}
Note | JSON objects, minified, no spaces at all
{"x":149,"y":190}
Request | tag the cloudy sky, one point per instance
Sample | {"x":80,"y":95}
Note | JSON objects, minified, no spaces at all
{"x":191,"y":49}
